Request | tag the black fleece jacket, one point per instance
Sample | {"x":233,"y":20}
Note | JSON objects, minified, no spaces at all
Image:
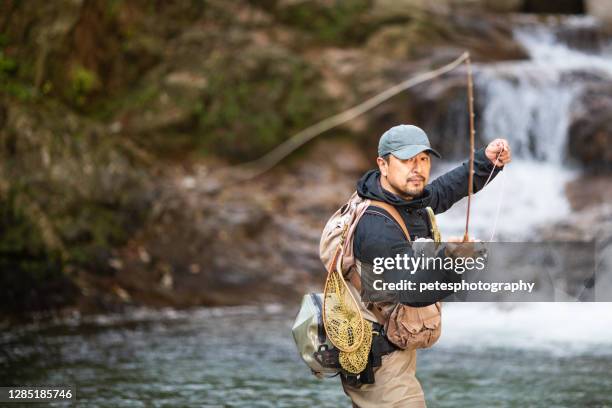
{"x":378,"y":235}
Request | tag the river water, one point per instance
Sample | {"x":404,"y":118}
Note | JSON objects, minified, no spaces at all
{"x":546,"y":355}
{"x":527,"y":355}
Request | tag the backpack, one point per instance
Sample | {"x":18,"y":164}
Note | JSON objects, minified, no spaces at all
{"x":405,"y":326}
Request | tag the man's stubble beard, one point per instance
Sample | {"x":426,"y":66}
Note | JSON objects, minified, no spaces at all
{"x":410,"y":193}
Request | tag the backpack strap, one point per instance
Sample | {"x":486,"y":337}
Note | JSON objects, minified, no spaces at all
{"x":394,"y":213}
{"x":355,"y":279}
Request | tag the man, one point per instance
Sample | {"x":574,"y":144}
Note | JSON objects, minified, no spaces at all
{"x":404,"y":163}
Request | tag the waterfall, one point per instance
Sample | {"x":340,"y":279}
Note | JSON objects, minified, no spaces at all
{"x":530,"y":103}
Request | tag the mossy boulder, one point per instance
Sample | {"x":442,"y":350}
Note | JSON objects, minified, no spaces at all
{"x":32,"y":275}
{"x":428,"y":34}
{"x":255,"y":100}
{"x":67,"y":190}
{"x":329,"y":22}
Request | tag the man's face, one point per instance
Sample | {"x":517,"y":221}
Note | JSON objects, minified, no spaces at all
{"x":406,"y":178}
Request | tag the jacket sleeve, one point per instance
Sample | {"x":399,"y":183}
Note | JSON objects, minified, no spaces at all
{"x":452,"y":186}
{"x":378,"y":236}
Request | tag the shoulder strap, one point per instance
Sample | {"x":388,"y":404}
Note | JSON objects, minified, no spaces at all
{"x":393,"y":212}
{"x":355,"y":279}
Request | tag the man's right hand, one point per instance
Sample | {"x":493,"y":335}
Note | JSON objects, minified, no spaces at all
{"x":498,"y":152}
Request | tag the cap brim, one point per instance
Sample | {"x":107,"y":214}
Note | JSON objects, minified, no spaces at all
{"x":411,"y":151}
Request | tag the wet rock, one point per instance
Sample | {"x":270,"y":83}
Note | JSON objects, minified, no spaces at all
{"x":589,"y":190}
{"x":410,"y":8}
{"x":442,"y":111}
{"x":590,"y":224}
{"x":248,"y":242}
{"x":460,"y":31}
{"x":591,"y":220}
{"x":504,"y":6}
{"x":587,"y":37}
{"x":590,"y":130}
{"x":554,"y":7}
{"x":593,"y":224}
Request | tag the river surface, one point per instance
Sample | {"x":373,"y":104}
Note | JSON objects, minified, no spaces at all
{"x":543,"y":355}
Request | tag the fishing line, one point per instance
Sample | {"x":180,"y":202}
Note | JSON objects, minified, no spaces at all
{"x":499,"y":203}
{"x":250,"y":170}
{"x":501,"y":193}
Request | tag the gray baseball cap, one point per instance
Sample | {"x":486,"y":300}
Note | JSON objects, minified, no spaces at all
{"x":404,"y":142}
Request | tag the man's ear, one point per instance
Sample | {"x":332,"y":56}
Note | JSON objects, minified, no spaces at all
{"x":383,"y":166}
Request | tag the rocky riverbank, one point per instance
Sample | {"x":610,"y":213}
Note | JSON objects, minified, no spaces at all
{"x":114,"y":118}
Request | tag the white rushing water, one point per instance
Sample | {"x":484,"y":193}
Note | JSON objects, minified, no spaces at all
{"x":529,"y":103}
{"x":528,"y":193}
{"x":561,"y":329}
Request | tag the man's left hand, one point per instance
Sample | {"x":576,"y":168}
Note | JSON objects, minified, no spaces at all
{"x":501,"y":148}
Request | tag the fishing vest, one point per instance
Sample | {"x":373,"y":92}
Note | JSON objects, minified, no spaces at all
{"x":406,"y":326}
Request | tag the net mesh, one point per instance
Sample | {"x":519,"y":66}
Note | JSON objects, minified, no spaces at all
{"x":345,"y":326}
{"x":356,"y":361}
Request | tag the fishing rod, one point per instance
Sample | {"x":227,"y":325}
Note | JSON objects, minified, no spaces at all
{"x":470,"y":90}
{"x":470,"y":97}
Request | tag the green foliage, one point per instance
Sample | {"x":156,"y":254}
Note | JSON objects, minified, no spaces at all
{"x":7,"y":65}
{"x":9,"y":83}
{"x":113,"y":7}
{"x":18,"y":90}
{"x":66,"y":212}
{"x":338,"y":21}
{"x":256,"y":100}
{"x":32,"y":275}
{"x":130,"y":100}
{"x":18,"y":234}
{"x":82,"y":83}
{"x":89,"y":228}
